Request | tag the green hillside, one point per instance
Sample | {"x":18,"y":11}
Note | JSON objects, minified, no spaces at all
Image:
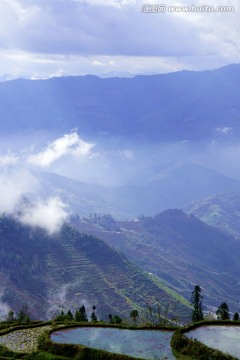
{"x":178,"y":248}
{"x":222,"y":211}
{"x":67,"y":270}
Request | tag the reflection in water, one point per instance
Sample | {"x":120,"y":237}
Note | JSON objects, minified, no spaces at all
{"x":223,"y":338}
{"x":147,"y":344}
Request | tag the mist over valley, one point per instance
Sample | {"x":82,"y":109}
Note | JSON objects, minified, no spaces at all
{"x":119,"y":180}
{"x":75,"y":150}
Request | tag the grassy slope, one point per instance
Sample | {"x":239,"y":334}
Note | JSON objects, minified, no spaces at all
{"x":68,"y":270}
{"x":180,"y":250}
{"x":221,"y":211}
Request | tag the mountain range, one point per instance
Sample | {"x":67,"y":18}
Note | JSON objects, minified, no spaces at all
{"x":192,"y":106}
{"x":163,"y":142}
{"x":172,"y":185}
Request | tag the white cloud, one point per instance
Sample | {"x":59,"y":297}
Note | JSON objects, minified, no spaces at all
{"x":14,"y":185}
{"x":109,"y":3}
{"x":49,"y":214}
{"x":17,"y":185}
{"x":8,"y":159}
{"x":69,"y":144}
{"x":23,"y":195}
{"x":224,"y":130}
{"x":97,"y":63}
{"x":57,"y":73}
{"x":39,"y":37}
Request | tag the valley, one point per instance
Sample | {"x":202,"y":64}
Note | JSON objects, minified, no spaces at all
{"x":122,"y":187}
{"x":120,"y":205}
{"x":119,"y":180}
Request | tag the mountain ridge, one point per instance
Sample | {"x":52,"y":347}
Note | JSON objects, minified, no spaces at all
{"x":149,"y":192}
{"x":168,"y":107}
{"x":221,"y":211}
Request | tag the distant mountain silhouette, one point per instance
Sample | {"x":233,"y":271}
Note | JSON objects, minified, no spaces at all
{"x":155,"y":189}
{"x":184,"y":105}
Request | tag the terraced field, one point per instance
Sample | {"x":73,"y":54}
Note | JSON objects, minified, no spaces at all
{"x":71,"y":269}
{"x":90,"y":271}
{"x":178,"y":248}
{"x":25,"y":340}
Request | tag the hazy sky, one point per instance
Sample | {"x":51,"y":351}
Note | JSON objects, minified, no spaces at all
{"x":43,"y":38}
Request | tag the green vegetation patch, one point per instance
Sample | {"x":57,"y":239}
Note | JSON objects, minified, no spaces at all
{"x":174,"y":295}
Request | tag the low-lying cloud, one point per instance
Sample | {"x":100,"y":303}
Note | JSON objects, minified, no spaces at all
{"x":62,"y":298}
{"x":19,"y":197}
{"x":48,"y":214}
{"x":20,"y":187}
{"x":4,"y":308}
{"x":14,"y":185}
{"x":8,"y":159}
{"x":69,"y":144}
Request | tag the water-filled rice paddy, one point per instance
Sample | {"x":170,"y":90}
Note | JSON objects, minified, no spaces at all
{"x":146,"y":344}
{"x":223,"y":338}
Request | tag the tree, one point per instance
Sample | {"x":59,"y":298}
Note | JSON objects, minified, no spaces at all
{"x":61,"y":317}
{"x":196,"y":300}
{"x":134,"y":315}
{"x":10,"y":316}
{"x":69,"y":315}
{"x":117,"y":320}
{"x":236,"y":316}
{"x":23,"y":316}
{"x":81,"y":315}
{"x":114,"y":319}
{"x":77,"y":316}
{"x":161,"y":311}
{"x":110,"y":318}
{"x":93,"y":315}
{"x":223,"y":312}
